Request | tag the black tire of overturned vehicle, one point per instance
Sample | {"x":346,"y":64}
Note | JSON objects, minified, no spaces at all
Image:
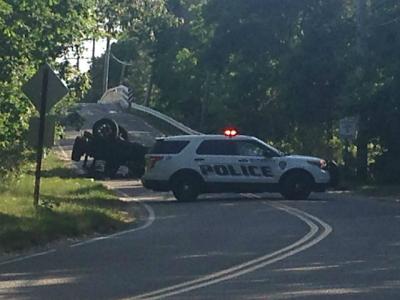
{"x":78,"y":148}
{"x":123,"y":133}
{"x":106,"y":129}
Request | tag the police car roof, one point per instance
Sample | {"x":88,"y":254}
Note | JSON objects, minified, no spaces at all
{"x":204,"y":136}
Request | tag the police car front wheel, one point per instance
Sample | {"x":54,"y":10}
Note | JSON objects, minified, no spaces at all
{"x":296,"y":186}
{"x":185,"y":189}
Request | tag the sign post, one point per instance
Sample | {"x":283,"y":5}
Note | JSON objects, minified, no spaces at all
{"x":42,"y":124}
{"x":348,"y":130}
{"x":44,"y":89}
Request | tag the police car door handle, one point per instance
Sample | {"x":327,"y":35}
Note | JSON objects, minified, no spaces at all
{"x":243,"y":160}
{"x":199,"y":159}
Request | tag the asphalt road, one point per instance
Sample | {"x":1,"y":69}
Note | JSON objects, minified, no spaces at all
{"x":193,"y":248}
{"x":224,"y":247}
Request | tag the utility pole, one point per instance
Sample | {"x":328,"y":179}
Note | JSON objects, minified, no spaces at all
{"x":106,"y":65}
{"x":93,"y":49}
{"x":361,"y":33}
{"x":204,"y":102}
{"x":362,"y":139}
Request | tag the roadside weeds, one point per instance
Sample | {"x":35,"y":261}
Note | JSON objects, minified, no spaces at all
{"x":71,"y":207}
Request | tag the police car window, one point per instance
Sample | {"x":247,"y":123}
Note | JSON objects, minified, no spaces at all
{"x":250,"y":148}
{"x":168,"y":147}
{"x":216,"y":147}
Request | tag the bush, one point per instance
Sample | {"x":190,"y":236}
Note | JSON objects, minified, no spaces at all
{"x":386,"y":168}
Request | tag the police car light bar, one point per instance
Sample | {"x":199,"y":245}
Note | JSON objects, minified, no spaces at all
{"x":230,"y":132}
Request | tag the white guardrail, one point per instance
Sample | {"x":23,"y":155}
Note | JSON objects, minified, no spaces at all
{"x":165,"y":118}
{"x":120,"y":94}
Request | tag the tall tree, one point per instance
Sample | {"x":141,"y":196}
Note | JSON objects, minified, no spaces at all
{"x":32,"y":32}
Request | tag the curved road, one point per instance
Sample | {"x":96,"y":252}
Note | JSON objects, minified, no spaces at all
{"x":190,"y":245}
{"x":225,"y":247}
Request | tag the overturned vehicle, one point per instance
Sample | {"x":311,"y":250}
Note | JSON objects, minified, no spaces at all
{"x":109,"y":142}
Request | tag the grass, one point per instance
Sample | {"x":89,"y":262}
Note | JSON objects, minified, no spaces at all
{"x":71,"y":207}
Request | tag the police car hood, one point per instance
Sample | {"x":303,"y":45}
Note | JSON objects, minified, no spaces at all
{"x":301,"y":157}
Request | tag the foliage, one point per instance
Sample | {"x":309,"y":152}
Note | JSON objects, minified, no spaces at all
{"x":285,"y":71}
{"x":136,"y":25}
{"x":79,"y":207}
{"x":32,"y":32}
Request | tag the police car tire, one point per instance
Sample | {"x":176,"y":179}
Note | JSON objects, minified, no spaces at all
{"x":78,"y":148}
{"x":99,"y":126}
{"x":296,"y":186}
{"x":185,"y":189}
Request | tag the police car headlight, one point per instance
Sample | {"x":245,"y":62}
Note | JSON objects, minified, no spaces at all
{"x":318,"y":163}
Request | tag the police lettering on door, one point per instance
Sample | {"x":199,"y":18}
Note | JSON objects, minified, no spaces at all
{"x":230,"y":170}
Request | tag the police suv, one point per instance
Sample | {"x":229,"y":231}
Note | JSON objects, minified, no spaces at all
{"x":190,"y":165}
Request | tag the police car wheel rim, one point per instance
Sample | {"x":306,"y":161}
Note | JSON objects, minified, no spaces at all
{"x":186,"y":191}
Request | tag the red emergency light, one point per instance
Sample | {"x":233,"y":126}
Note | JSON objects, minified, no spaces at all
{"x":230,"y":132}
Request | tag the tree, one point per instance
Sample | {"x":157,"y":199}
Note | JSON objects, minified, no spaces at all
{"x":31,"y":33}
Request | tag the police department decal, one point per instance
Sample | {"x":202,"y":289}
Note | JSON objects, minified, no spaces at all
{"x":230,"y":170}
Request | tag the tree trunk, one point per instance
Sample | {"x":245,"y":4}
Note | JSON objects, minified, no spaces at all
{"x":362,"y":150}
{"x":149,"y":90}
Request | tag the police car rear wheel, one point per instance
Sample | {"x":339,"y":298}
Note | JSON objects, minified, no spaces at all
{"x":185,"y":189}
{"x":296,"y":186}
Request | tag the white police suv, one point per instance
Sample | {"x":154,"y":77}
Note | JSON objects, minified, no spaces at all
{"x":190,"y":165}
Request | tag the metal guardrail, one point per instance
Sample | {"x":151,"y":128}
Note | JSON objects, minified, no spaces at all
{"x":165,"y":118}
{"x":120,"y":94}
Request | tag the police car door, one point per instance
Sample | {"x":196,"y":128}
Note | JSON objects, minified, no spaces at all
{"x":254,"y":163}
{"x":215,"y":159}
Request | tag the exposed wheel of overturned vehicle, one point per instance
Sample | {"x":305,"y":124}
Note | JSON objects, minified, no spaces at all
{"x":78,"y":148}
{"x":106,"y":129}
{"x":123,"y":133}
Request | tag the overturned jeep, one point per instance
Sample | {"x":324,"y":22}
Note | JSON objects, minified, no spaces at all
{"x":109,"y":142}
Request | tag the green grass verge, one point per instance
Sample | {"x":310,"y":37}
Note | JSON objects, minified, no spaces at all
{"x":73,"y":207}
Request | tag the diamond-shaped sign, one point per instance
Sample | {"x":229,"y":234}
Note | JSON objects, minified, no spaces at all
{"x":56,"y":89}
